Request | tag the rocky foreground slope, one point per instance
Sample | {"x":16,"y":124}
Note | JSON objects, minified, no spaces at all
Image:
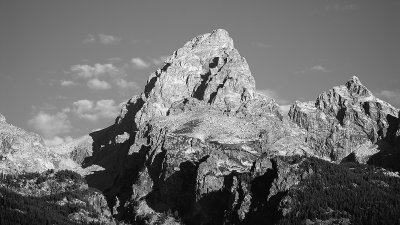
{"x":199,"y":145}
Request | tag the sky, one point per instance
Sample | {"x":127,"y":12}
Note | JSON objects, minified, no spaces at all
{"x":66,"y":66}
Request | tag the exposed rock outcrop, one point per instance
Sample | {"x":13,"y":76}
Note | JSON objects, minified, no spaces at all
{"x":347,"y":122}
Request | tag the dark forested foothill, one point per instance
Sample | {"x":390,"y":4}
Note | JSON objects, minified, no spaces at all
{"x":21,"y":203}
{"x":363,"y":194}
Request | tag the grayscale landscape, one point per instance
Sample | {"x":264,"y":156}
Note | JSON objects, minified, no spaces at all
{"x":200,"y":112}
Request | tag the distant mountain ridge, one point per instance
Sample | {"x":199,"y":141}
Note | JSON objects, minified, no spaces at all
{"x":348,"y":121}
{"x":25,"y":151}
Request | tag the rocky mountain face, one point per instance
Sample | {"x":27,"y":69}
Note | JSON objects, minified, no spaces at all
{"x":197,"y":136}
{"x":349,"y":123}
{"x":25,"y":151}
{"x":199,"y":145}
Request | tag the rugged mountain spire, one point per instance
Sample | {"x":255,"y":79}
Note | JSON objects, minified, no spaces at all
{"x":346,"y":119}
{"x":208,"y":69}
{"x":197,"y":123}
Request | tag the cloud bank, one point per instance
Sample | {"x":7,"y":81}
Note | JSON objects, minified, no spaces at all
{"x":140,"y":63}
{"x":51,"y":125}
{"x":97,"y":84}
{"x":93,"y":111}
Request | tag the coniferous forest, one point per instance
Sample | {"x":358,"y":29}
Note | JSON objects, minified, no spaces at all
{"x":361,"y":193}
{"x":17,"y":208}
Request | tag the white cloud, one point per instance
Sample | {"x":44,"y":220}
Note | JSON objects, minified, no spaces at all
{"x":140,"y":63}
{"x":105,"y":76}
{"x":57,"y":140}
{"x":102,"y":39}
{"x":391,"y":96}
{"x":318,"y":68}
{"x":51,"y":125}
{"x":160,"y":60}
{"x":87,"y":71}
{"x":82,"y":108}
{"x":97,"y":84}
{"x":67,"y":83}
{"x":315,"y":68}
{"x":91,"y":111}
{"x":108,"y":39}
{"x":123,"y":84}
{"x":107,"y":108}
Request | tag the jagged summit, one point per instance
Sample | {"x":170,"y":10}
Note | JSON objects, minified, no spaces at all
{"x":355,"y":80}
{"x":351,"y":92}
{"x":208,"y":69}
{"x":217,"y":39}
{"x":346,"y":119}
{"x":357,"y":89}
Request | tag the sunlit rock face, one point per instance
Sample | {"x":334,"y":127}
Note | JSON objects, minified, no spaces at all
{"x":347,"y":120}
{"x":192,"y":137}
{"x":207,"y":68}
{"x":22,"y":151}
{"x":199,"y":145}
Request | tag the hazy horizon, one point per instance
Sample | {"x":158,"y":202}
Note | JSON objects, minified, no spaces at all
{"x":66,"y":66}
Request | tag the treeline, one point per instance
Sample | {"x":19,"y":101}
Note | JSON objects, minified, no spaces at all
{"x":358,"y":192}
{"x":14,"y":180}
{"x":18,"y":209}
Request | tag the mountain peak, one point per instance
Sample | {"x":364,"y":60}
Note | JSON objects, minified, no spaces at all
{"x":207,"y":69}
{"x":357,"y":89}
{"x":353,"y":91}
{"x":216,"y":39}
{"x":355,"y":79}
{"x":357,"y":112}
